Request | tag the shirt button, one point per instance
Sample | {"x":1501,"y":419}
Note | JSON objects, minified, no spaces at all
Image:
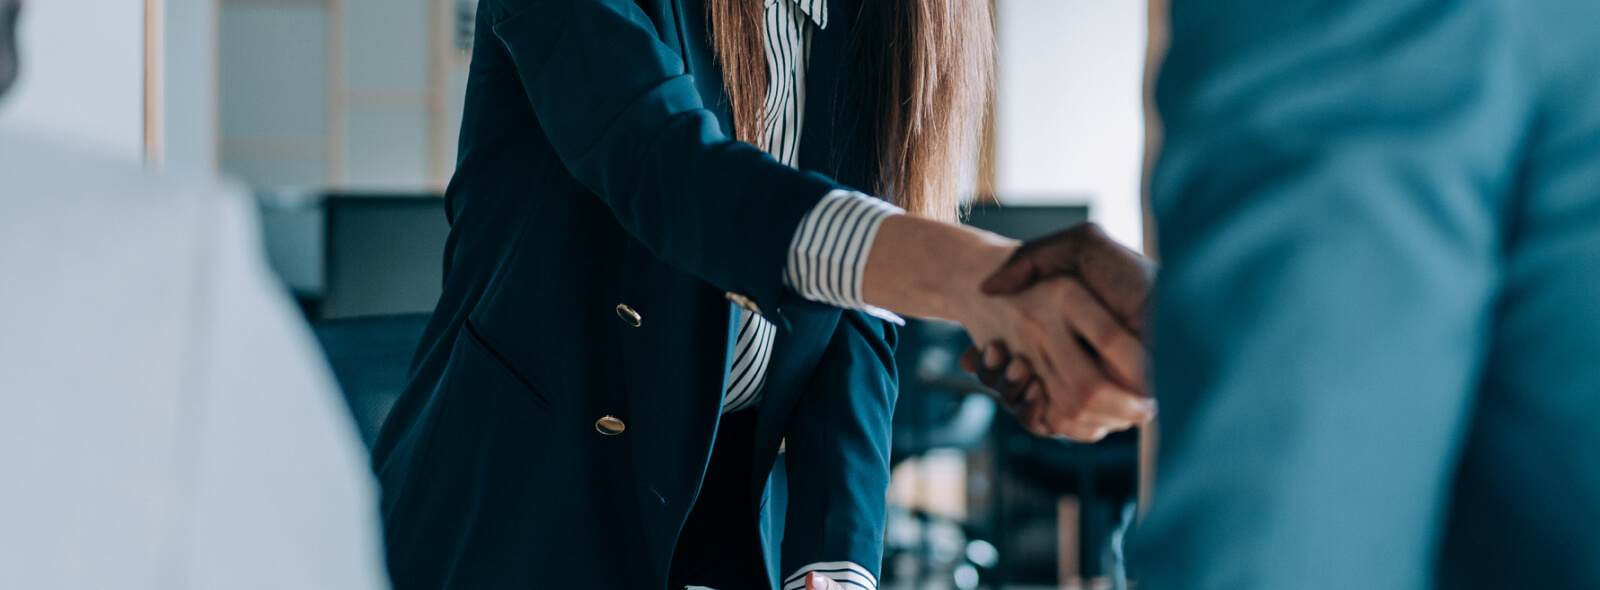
{"x":609,"y":425}
{"x":629,"y":315}
{"x":744,"y":302}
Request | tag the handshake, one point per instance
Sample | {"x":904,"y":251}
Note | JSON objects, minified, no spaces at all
{"x":1061,"y":320}
{"x":1062,"y":342}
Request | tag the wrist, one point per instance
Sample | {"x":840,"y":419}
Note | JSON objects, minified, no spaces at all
{"x":962,"y":272}
{"x":931,"y":269}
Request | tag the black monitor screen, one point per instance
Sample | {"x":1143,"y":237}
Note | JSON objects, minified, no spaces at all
{"x":1026,"y":222}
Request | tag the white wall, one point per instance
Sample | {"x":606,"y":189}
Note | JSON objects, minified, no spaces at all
{"x":1070,"y":123}
{"x":83,"y":73}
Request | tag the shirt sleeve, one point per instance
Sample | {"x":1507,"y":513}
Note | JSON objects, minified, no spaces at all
{"x":846,"y":573}
{"x":829,"y":251}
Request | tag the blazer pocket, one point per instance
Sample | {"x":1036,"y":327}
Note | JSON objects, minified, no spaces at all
{"x":482,"y":365}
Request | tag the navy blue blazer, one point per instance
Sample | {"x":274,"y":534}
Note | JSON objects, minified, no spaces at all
{"x":596,"y":169}
{"x":1377,"y":334}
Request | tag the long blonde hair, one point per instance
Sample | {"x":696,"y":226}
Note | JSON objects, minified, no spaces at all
{"x":928,"y":69}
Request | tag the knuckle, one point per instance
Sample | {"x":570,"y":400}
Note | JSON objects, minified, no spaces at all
{"x":1077,"y":435}
{"x":1090,"y":389}
{"x":1088,"y":231}
{"x":1070,"y":415}
{"x":1111,"y":337}
{"x":1085,"y":234}
{"x":1034,"y":422}
{"x":1060,"y":425}
{"x":1032,"y":326}
{"x":1029,"y":413}
{"x":1018,"y":370}
{"x":1034,"y":312}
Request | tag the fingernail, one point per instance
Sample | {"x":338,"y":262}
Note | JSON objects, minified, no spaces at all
{"x":1030,"y":396}
{"x":991,"y":357}
{"x":1016,"y":372}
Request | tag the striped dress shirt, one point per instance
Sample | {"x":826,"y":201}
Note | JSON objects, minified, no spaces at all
{"x":830,"y":247}
{"x":829,"y":250}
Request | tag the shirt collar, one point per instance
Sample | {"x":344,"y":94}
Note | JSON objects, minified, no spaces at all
{"x":816,"y":9}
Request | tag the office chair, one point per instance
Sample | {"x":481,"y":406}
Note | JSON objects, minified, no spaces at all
{"x":1102,"y":476}
{"x":382,"y":272}
{"x":936,"y":410}
{"x":382,"y":255}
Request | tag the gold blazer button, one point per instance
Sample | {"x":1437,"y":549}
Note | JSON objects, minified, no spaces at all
{"x":609,"y":425}
{"x":745,"y":302}
{"x":629,"y":315}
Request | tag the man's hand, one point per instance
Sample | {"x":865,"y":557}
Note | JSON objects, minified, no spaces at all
{"x":1089,"y":367}
{"x":1118,"y":279}
{"x":1117,"y":276}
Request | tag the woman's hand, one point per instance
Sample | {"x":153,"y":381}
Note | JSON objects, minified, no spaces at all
{"x":1008,"y":376}
{"x":816,"y":581}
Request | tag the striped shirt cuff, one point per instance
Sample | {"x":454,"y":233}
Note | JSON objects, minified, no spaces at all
{"x":829,"y":251}
{"x":847,"y":573}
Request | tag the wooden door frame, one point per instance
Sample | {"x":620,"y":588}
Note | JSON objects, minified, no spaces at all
{"x":154,"y":82}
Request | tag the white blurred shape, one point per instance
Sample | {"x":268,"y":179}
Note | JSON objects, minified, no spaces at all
{"x":82,"y":73}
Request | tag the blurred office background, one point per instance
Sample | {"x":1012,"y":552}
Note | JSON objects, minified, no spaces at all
{"x":341,"y":115}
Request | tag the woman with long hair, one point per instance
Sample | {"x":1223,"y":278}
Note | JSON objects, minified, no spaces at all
{"x":665,"y":273}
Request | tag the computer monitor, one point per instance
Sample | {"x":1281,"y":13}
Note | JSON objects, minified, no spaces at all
{"x":1025,"y":222}
{"x":383,"y":255}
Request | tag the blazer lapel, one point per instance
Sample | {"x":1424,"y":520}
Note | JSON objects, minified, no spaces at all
{"x":700,"y":60}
